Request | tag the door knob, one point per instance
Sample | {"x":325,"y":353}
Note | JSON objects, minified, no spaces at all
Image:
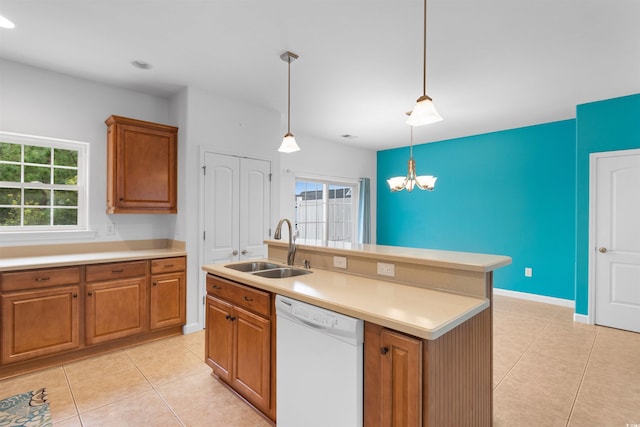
{"x":602,"y":249}
{"x":234,"y":253}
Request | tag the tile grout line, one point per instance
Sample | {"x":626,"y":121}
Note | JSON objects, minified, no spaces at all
{"x":584,"y":372}
{"x":522,"y":355}
{"x":156,"y":391}
{"x":75,"y":404}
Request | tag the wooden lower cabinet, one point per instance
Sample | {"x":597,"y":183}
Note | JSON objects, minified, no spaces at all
{"x":392,"y":378}
{"x":167,"y":300}
{"x":115,"y":309}
{"x":238,"y":341}
{"x":39,"y":323}
{"x":446,"y":381}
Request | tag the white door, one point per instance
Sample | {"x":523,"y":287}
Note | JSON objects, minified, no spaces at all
{"x":617,"y":239}
{"x":237,"y":197}
{"x":255,"y":207}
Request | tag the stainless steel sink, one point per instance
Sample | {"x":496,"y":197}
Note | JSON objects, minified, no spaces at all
{"x":249,"y":267}
{"x":282,"y":272}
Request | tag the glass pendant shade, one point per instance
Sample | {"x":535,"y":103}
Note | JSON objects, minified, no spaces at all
{"x":288,"y":144}
{"x":423,"y":113}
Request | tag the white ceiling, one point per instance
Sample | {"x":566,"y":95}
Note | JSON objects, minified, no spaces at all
{"x":491,"y":64}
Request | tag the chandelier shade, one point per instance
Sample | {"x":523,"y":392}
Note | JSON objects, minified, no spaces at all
{"x":423,"y":182}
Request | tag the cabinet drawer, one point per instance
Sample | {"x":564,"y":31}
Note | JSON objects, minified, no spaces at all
{"x":43,"y":278}
{"x":243,"y":296}
{"x":167,"y":265}
{"x":116,"y":270}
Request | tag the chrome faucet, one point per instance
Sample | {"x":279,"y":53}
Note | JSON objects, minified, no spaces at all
{"x":291,"y":254}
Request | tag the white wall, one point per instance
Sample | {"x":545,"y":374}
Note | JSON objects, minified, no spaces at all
{"x":38,"y":102}
{"x":42,"y":103}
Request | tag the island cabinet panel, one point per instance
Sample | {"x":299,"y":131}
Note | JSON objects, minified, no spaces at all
{"x":40,"y":322}
{"x":447,"y":381}
{"x":239,"y":342}
{"x":392,"y":378}
{"x":141,"y":166}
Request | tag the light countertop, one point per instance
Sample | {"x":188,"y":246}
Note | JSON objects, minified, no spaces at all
{"x":468,"y":261}
{"x":48,"y":261}
{"x":424,"y":313}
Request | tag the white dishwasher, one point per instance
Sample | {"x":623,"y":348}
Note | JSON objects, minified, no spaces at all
{"x":319,"y":366}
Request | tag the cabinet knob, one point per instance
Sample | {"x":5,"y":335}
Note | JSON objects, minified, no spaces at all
{"x":384,"y":350}
{"x":602,"y":250}
{"x":75,"y":295}
{"x":248,"y":299}
{"x":234,"y":253}
{"x":42,"y":279}
{"x":90,"y":293}
{"x":122,"y":199}
{"x":155,"y":283}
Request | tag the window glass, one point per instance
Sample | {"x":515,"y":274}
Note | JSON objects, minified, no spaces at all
{"x":42,"y":184}
{"x":325,"y":210}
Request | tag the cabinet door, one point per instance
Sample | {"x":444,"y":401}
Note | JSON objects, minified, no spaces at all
{"x":37,"y":323}
{"x":142,"y":167}
{"x":401,"y":379}
{"x":253,"y":357}
{"x":115,"y":309}
{"x":219,"y":338}
{"x":167,"y":300}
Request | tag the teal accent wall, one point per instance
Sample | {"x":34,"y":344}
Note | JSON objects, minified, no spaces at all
{"x":508,"y":193}
{"x":608,"y":125}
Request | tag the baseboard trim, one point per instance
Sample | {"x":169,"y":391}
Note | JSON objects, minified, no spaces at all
{"x":582,"y":318}
{"x":190,"y":328}
{"x":534,"y":297}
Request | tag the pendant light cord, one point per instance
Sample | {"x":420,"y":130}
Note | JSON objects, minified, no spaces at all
{"x":424,"y":53}
{"x":289,"y":95}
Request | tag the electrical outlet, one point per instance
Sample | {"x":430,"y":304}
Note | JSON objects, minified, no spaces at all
{"x":340,"y":261}
{"x":385,"y":269}
{"x":111,"y":230}
{"x":528,"y":272}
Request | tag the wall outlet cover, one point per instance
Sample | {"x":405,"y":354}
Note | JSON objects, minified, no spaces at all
{"x":340,"y":261}
{"x":385,"y":269}
{"x":528,"y":271}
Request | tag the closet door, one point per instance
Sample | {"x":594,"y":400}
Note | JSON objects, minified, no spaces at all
{"x":237,"y":206}
{"x":221,"y":197}
{"x":255,"y":206}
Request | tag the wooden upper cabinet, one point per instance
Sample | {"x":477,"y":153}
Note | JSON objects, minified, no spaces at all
{"x":141,"y":166}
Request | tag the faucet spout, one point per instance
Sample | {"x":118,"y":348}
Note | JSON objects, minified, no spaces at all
{"x":291,"y":253}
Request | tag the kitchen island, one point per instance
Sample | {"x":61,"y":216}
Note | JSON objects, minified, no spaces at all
{"x":439,"y":302}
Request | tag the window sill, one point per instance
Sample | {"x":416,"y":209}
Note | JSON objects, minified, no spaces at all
{"x":31,"y":236}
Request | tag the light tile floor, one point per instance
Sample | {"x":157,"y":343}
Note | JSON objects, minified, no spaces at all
{"x":548,"y":371}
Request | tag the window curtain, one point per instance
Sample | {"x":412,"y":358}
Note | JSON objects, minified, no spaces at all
{"x":364,"y":211}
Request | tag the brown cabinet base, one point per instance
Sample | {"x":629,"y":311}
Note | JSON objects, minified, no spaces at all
{"x":441,"y":382}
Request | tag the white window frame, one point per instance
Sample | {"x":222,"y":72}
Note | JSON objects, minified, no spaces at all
{"x":326,"y":182}
{"x":81,"y":187}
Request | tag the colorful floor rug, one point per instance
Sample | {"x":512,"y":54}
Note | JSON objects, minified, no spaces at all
{"x":30,"y":409}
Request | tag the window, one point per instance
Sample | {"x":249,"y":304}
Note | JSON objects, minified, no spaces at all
{"x":326,"y":210}
{"x":42,"y":184}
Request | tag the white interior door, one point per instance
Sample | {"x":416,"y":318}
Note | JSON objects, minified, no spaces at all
{"x":255,"y":207}
{"x":221,"y":194}
{"x":617,"y":239}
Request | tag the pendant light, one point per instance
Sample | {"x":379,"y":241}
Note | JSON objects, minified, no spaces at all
{"x":424,"y":112}
{"x":289,"y":141}
{"x":423,"y":182}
